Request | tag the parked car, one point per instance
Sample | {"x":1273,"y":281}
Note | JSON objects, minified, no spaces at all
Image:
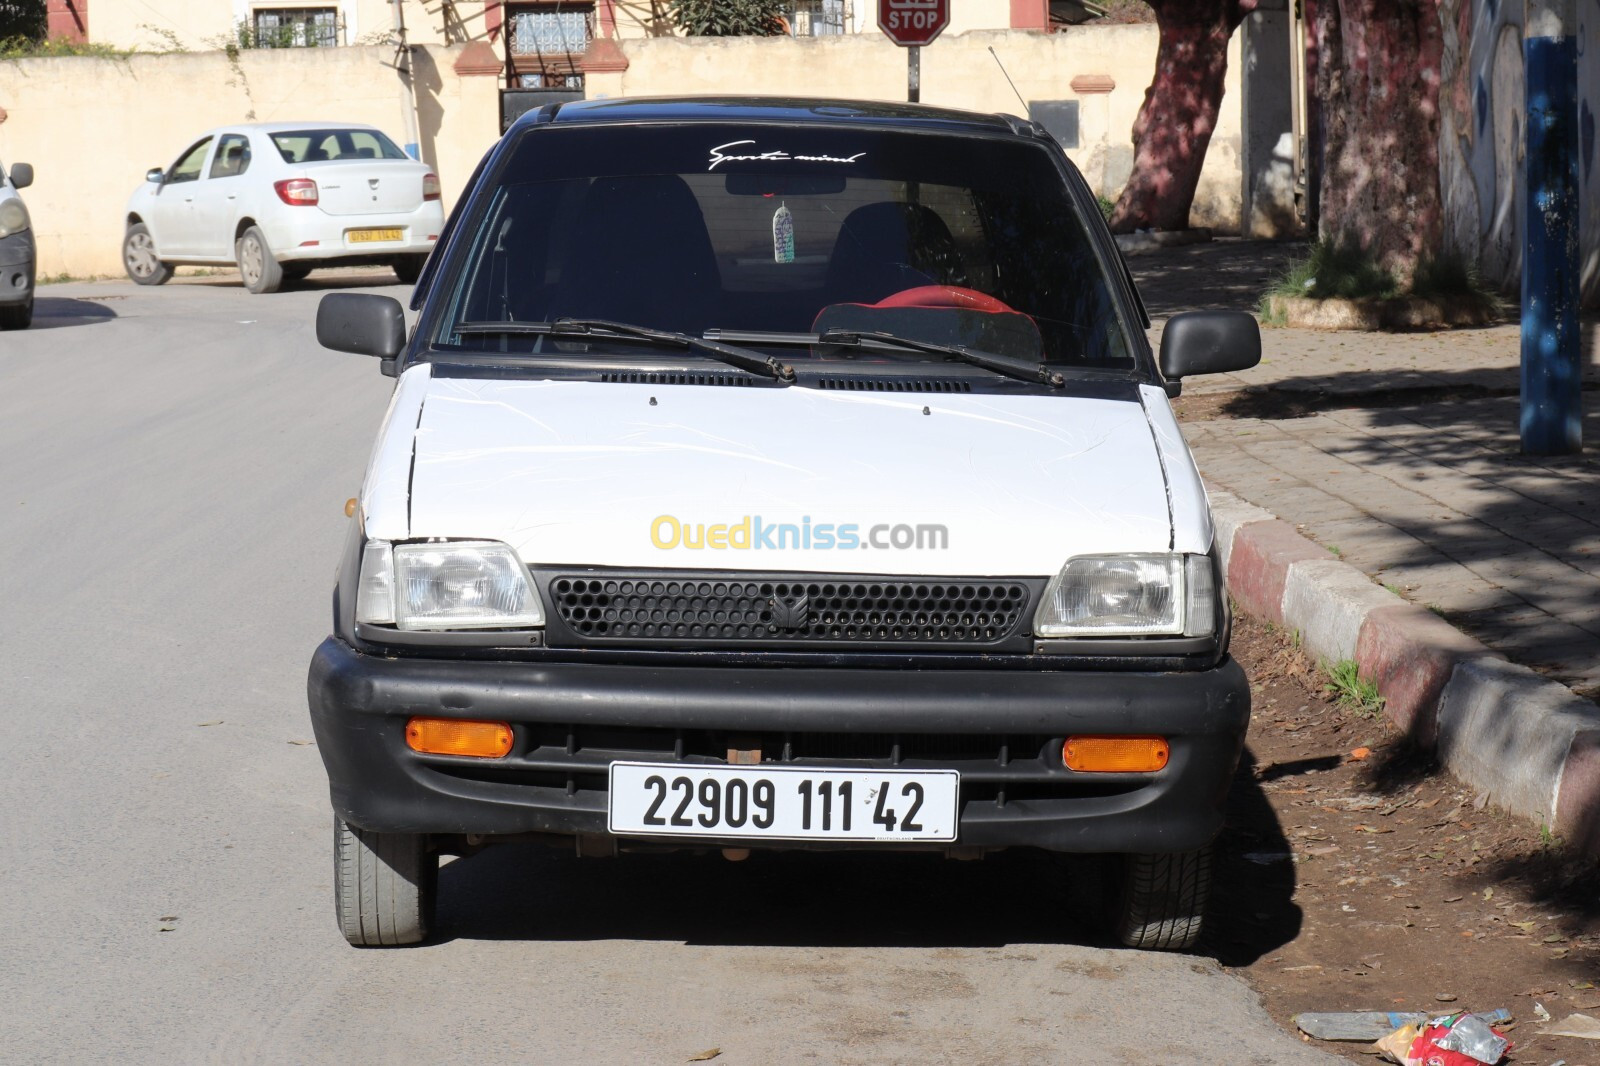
{"x":281,"y":199}
{"x":18,"y":253}
{"x":779,"y":474}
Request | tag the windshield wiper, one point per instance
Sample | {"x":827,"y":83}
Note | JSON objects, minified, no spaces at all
{"x":1009,"y":365}
{"x":604,"y":329}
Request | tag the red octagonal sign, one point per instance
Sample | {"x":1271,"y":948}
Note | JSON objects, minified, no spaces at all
{"x":913,"y":22}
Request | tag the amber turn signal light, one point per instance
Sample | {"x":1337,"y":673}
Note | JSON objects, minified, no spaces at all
{"x":459,"y":736}
{"x":1115,"y":755}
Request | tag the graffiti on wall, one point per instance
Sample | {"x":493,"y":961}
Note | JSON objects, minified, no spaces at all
{"x":1481,"y":127}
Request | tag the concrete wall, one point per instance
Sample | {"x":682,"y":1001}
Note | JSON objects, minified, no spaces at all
{"x":1481,"y":134}
{"x":92,"y":127}
{"x":202,"y":25}
{"x":957,"y":71}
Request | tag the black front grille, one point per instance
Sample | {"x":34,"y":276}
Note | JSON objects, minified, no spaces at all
{"x":689,"y":609}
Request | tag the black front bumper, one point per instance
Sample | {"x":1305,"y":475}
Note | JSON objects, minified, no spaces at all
{"x":1001,"y":728}
{"x":17,"y":266}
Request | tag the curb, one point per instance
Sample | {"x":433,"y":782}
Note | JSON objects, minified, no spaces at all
{"x":1532,"y":745}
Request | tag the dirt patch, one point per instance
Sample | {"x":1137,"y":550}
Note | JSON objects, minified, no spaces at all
{"x":1376,"y":883}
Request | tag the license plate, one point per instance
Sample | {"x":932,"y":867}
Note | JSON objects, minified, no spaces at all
{"x":364,"y":236}
{"x":783,"y":803}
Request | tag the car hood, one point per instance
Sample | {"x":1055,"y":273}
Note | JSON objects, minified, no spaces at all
{"x":635,"y":475}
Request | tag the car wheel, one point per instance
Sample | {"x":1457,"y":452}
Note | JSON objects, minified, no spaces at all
{"x":260,"y":271}
{"x":139,"y":257}
{"x":295,"y":271}
{"x":1163,"y":899}
{"x":383,"y":885}
{"x":408,"y":268}
{"x":17,"y":316}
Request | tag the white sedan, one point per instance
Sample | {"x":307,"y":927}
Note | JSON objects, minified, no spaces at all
{"x":280,"y":199}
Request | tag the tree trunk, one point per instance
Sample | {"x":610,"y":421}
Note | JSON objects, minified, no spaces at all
{"x":1378,"y":83}
{"x":1174,"y":126}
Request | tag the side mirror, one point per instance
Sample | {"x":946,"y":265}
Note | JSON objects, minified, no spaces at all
{"x":155,"y":175}
{"x":21,"y":175}
{"x":362,"y":323}
{"x":1209,"y":342}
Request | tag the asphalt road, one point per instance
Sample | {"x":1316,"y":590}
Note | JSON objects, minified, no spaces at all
{"x":173,"y":468}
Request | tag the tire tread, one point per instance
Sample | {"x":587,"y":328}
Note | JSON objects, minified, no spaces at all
{"x":1163,"y":900}
{"x":383,"y":886}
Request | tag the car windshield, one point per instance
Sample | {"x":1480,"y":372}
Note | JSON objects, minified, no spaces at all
{"x":798,"y":230}
{"x":314,"y":146}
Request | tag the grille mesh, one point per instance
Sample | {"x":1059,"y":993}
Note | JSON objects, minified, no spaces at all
{"x":632,"y":607}
{"x":885,"y":384}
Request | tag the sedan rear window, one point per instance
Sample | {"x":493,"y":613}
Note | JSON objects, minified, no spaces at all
{"x":315,"y":146}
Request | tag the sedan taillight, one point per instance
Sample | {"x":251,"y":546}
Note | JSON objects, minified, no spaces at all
{"x":297,"y":192}
{"x":430,"y":187}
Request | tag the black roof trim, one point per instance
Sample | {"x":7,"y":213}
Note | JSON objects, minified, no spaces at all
{"x":781,"y":109}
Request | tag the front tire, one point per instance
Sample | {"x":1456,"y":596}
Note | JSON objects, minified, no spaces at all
{"x":17,"y":316}
{"x":1163,"y":899}
{"x":383,"y":885}
{"x":408,"y":268}
{"x":260,"y":271}
{"x":139,"y":257}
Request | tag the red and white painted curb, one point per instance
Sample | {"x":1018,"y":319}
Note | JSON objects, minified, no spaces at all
{"x":1532,"y":744}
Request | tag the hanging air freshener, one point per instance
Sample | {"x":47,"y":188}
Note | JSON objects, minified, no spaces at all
{"x":782,"y":235}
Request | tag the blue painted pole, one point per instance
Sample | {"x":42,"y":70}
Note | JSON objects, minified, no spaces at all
{"x":1552,"y":414}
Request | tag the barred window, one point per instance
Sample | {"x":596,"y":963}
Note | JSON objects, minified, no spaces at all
{"x":297,"y":27}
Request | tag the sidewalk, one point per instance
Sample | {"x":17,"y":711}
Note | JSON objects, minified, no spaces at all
{"x":1399,"y":454}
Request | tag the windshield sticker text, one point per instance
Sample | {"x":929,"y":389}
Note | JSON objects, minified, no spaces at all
{"x":720,"y":155}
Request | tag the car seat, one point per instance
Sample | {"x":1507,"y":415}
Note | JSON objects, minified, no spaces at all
{"x":643,"y":257}
{"x":884,"y":248}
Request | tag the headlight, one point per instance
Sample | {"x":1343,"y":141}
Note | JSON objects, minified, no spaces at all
{"x":476,"y":584}
{"x":1130,"y":596}
{"x":13,"y":217}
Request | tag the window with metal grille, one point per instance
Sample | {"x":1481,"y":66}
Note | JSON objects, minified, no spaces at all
{"x":297,"y":27}
{"x":815,"y":18}
{"x":545,"y":44}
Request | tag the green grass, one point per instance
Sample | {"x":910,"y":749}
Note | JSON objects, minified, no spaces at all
{"x":23,"y":48}
{"x":1351,"y":691}
{"x":1452,"y":277}
{"x":1332,"y":271}
{"x":1107,"y":205}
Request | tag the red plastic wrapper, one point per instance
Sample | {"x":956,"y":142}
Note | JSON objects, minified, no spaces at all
{"x":1425,"y":1050}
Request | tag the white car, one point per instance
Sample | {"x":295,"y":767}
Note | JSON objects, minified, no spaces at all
{"x":280,"y":199}
{"x":17,"y":255}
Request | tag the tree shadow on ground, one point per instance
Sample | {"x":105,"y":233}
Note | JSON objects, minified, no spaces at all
{"x":864,"y":899}
{"x":1221,"y":275}
{"x":58,"y":312}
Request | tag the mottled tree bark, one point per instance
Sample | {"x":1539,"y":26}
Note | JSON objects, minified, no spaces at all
{"x":1378,"y":87}
{"x":1174,"y":126}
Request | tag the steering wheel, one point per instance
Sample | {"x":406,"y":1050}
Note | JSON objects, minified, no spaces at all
{"x":945,"y":296}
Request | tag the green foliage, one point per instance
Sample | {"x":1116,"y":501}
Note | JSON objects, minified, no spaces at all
{"x":1452,"y":276}
{"x":21,"y":20}
{"x":1352,"y":691}
{"x":728,"y":18}
{"x":1107,"y":205}
{"x":1127,"y":11}
{"x":1336,"y":271}
{"x":23,"y":48}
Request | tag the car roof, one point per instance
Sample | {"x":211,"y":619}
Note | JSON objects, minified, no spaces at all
{"x":286,"y":127}
{"x":773,"y":109}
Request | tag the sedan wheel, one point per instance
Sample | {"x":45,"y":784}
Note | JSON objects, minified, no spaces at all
{"x":17,"y":316}
{"x":139,"y":257}
{"x":258,"y":268}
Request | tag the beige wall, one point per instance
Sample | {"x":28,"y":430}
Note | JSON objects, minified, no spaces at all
{"x":92,"y":127}
{"x":147,"y":108}
{"x":957,"y":71}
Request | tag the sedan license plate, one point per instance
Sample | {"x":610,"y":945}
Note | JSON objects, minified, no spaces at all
{"x":783,"y":802}
{"x":365,"y":236}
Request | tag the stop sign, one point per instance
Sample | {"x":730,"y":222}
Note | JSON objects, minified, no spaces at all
{"x":909,"y":23}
